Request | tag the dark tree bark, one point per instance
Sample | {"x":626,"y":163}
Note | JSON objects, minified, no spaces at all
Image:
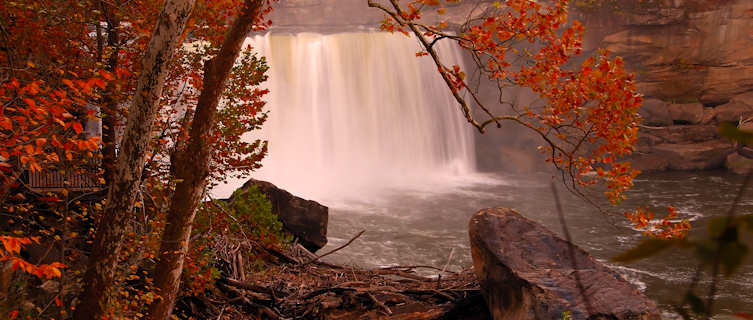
{"x":109,"y":100}
{"x":190,"y":165}
{"x":98,"y":279}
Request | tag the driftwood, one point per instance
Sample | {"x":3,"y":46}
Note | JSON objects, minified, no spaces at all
{"x":295,"y":284}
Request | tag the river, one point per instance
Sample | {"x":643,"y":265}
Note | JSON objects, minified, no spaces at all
{"x":360,"y":124}
{"x":410,"y":227}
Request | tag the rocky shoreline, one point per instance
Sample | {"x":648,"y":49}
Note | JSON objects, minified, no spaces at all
{"x":520,"y":270}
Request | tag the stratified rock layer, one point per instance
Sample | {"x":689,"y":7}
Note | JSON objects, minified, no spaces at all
{"x":693,"y":60}
{"x":304,"y":219}
{"x":526,"y":272}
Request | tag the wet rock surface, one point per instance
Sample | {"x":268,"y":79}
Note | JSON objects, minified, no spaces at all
{"x":525,"y":272}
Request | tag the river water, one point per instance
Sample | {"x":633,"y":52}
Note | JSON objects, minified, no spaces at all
{"x":410,"y":227}
{"x":360,"y":124}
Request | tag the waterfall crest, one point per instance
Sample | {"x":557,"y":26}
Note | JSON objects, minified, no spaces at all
{"x":354,"y":113}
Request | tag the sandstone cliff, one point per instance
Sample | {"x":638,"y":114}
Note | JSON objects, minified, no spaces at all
{"x":693,"y":60}
{"x":694,"y":63}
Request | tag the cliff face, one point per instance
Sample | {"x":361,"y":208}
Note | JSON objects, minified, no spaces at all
{"x":694,"y":63}
{"x":681,"y":50}
{"x":693,"y":60}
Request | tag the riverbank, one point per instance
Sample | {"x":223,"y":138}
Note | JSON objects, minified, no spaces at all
{"x":293,"y":284}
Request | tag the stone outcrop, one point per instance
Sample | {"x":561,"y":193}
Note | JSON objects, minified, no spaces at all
{"x":682,"y":49}
{"x":655,"y":112}
{"x":526,"y":272}
{"x":686,"y":113}
{"x":693,"y":60}
{"x":306,"y":220}
{"x":738,"y":163}
{"x":680,"y":147}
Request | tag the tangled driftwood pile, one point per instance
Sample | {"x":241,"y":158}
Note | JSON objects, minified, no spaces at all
{"x":295,"y":284}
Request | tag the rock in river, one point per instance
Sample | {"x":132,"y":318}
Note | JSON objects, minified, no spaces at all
{"x":304,"y":219}
{"x":526,"y":272}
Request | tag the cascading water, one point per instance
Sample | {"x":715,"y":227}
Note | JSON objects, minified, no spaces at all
{"x":356,"y":117}
{"x":355,"y":113}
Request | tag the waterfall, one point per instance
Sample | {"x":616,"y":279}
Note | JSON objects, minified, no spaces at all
{"x":355,"y":113}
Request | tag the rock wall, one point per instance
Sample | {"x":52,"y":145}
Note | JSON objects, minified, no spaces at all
{"x":693,"y":60}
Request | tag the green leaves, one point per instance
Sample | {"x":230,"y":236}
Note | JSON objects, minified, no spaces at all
{"x":733,"y":133}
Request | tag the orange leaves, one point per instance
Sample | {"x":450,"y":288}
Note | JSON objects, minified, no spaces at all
{"x":664,"y":228}
{"x":12,"y":248}
{"x":585,"y":114}
{"x":77,"y":127}
{"x":12,"y":245}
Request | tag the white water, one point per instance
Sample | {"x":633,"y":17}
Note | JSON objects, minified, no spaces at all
{"x":353,"y":114}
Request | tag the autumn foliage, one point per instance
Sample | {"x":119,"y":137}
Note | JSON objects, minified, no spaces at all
{"x":586,"y":110}
{"x":67,"y":64}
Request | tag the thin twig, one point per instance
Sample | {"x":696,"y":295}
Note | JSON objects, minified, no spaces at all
{"x":336,"y":249}
{"x":379,"y":303}
{"x":448,"y":260}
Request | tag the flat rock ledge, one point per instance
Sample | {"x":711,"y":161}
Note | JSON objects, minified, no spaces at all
{"x":525,"y":272}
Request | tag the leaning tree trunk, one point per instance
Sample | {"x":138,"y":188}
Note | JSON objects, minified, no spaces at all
{"x":124,"y":186}
{"x":190,"y":165}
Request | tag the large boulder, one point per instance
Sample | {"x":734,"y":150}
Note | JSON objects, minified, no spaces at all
{"x":305,"y":219}
{"x":695,"y":156}
{"x":738,"y":163}
{"x":687,"y":113}
{"x":655,"y":112}
{"x":741,"y":106}
{"x":680,"y":134}
{"x":526,"y":272}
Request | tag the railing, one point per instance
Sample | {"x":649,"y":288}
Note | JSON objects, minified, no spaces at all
{"x":52,"y":181}
{"x":85,"y":177}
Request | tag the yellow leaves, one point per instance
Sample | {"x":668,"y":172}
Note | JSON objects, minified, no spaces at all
{"x":497,"y":4}
{"x":441,"y":11}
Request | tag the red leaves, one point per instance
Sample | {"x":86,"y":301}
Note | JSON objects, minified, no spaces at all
{"x":77,"y":127}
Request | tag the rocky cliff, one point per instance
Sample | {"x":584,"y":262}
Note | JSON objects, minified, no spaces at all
{"x":693,"y":60}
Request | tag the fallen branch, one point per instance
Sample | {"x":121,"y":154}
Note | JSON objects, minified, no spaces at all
{"x":379,"y":303}
{"x":336,"y":249}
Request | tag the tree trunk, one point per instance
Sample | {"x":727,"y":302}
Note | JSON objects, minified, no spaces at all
{"x":110,"y":102}
{"x":98,"y":279}
{"x":190,"y":165}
